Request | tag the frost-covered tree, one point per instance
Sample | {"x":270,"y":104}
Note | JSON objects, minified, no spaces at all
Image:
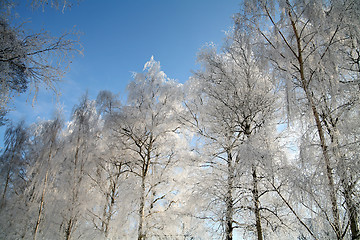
{"x":110,"y":175}
{"x":229,"y":102}
{"x":148,"y":131}
{"x":13,"y":181}
{"x":43,"y":151}
{"x":50,"y":136}
{"x":73,"y":177}
{"x":13,"y":161}
{"x":313,"y":47}
{"x":29,"y":60}
{"x":57,"y":4}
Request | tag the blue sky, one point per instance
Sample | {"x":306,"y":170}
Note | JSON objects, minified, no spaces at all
{"x":118,"y":37}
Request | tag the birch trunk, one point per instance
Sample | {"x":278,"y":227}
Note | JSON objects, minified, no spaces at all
{"x":256,"y":200}
{"x":77,"y":177}
{"x":346,"y":183}
{"x":309,"y":97}
{"x":7,"y":182}
{"x":5,"y":188}
{"x":229,"y":200}
{"x":68,"y":230}
{"x":141,"y":235}
{"x":42,"y":200}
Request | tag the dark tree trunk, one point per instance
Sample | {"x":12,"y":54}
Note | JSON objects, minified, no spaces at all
{"x":255,"y":193}
{"x":229,"y":200}
{"x":310,"y":99}
{"x":141,"y":235}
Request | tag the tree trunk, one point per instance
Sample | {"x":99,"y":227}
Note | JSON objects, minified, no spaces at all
{"x":68,"y":230}
{"x":76,"y":181}
{"x":111,"y":203}
{"x":329,"y":172}
{"x":104,"y":216}
{"x":346,"y":183}
{"x":141,"y":235}
{"x":229,"y":200}
{"x":352,"y":212}
{"x":256,"y":200}
{"x":5,"y":188}
{"x":145,"y":167}
{"x":42,"y":200}
{"x":7,"y":181}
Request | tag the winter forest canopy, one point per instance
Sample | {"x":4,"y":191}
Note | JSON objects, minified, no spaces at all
{"x":262,"y":142}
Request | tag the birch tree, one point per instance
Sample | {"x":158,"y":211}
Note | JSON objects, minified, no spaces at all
{"x":13,"y":161}
{"x":148,"y":131}
{"x":73,"y":178}
{"x":232,"y":100}
{"x":305,"y":40}
{"x":112,"y":184}
{"x":41,"y":172}
{"x":30,"y":60}
{"x":13,"y":180}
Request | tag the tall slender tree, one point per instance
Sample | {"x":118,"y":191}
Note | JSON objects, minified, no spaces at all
{"x":82,"y":132}
{"x":13,"y":162}
{"x":148,"y":130}
{"x":231,"y":101}
{"x":305,"y":42}
{"x":41,"y":173}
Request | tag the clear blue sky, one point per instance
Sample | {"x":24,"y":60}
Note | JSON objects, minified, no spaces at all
{"x":119,"y":37}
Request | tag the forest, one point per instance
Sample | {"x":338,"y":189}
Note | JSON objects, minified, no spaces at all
{"x":262,"y":142}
